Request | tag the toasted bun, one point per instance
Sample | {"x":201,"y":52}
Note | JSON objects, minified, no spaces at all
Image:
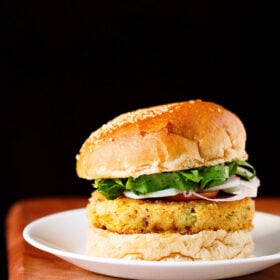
{"x":163,"y":138}
{"x":205,"y":245}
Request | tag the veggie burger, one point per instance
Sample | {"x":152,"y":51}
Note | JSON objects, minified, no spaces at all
{"x":170,"y":183}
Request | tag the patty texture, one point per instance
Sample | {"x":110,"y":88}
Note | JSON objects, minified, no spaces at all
{"x":128,"y":216}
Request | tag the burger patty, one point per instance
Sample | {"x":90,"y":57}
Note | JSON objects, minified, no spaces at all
{"x":127,"y":216}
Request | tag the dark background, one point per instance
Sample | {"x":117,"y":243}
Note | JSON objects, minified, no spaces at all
{"x":70,"y":66}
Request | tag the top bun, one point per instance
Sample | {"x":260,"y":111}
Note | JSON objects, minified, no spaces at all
{"x":163,"y":138}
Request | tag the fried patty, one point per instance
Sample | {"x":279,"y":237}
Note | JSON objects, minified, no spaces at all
{"x":127,"y":216}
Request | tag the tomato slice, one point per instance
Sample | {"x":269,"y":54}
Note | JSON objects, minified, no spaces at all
{"x":181,"y":197}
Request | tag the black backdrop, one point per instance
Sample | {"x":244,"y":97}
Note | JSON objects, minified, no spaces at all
{"x":70,"y":66}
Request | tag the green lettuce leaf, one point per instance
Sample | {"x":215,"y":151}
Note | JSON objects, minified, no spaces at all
{"x":110,"y":188}
{"x":189,"y":180}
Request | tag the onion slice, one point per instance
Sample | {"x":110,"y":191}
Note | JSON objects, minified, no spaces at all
{"x":162,"y":193}
{"x":236,"y":186}
{"x":239,"y":196}
{"x":233,"y":181}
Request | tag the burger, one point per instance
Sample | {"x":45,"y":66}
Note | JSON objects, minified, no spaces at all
{"x":171,"y":182}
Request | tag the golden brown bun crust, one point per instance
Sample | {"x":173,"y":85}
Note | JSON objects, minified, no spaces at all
{"x":163,"y":138}
{"x":206,"y":245}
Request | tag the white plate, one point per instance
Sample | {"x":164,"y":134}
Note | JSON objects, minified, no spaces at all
{"x":64,"y":234}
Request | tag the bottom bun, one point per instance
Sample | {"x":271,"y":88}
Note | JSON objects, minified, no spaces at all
{"x":205,"y":245}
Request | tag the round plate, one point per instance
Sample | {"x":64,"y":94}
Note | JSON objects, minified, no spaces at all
{"x":49,"y":234}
